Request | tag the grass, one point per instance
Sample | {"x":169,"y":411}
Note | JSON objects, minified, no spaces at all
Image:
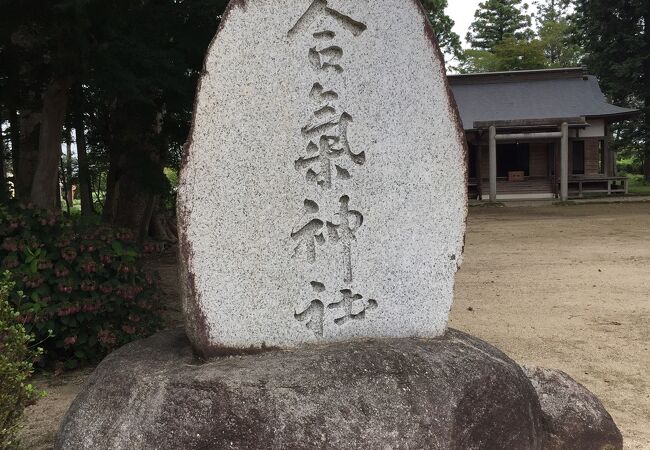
{"x":75,"y":207}
{"x":638,"y":185}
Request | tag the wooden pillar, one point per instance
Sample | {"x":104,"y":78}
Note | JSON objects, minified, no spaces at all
{"x":493,"y":163}
{"x":564,"y":163}
{"x":608,"y":155}
{"x":479,"y":175}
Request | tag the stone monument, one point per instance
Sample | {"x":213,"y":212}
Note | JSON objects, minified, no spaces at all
{"x":322,"y":214}
{"x":323,"y":191}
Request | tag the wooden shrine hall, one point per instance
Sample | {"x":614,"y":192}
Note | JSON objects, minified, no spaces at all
{"x":538,"y":134}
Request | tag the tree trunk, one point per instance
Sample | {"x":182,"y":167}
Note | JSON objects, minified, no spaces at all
{"x":128,"y":204}
{"x":64,"y":183}
{"x":111,"y":183}
{"x":84,"y":173}
{"x":14,"y":124}
{"x":3,"y":175}
{"x":162,"y":227}
{"x":57,"y":191}
{"x":132,"y":193}
{"x":44,"y":185}
{"x":646,"y":138}
{"x":26,"y":154}
{"x":69,"y":191}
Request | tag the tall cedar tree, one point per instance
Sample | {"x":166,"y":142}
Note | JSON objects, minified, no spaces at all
{"x":556,"y":34}
{"x":142,"y":94}
{"x":131,"y":69}
{"x":443,"y":26}
{"x":496,"y":20}
{"x":502,"y":39}
{"x":615,"y":37}
{"x":38,"y":60}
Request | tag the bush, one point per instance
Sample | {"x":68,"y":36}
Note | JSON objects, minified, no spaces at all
{"x":16,"y":360}
{"x":81,"y":281}
{"x":630,"y":166}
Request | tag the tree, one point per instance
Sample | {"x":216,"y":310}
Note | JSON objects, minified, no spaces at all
{"x":496,"y":20}
{"x":617,"y":45}
{"x":40,"y":45}
{"x":509,"y":54}
{"x":144,"y":97}
{"x":556,"y":33}
{"x":85,"y":191}
{"x":3,"y":176}
{"x":502,"y":39}
{"x":443,"y":25}
{"x":123,"y":74}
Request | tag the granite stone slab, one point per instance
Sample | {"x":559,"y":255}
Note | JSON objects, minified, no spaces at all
{"x":323,"y":188}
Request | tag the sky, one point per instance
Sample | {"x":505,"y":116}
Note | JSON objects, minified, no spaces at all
{"x":462,"y":12}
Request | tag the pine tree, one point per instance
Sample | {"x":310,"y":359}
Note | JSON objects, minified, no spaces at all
{"x":496,"y":20}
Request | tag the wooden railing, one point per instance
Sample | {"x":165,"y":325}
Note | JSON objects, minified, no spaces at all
{"x":604,"y":184}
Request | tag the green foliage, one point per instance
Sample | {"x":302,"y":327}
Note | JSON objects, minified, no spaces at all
{"x":443,"y":26}
{"x":556,"y":33}
{"x":169,"y":200}
{"x":496,"y":20}
{"x":617,"y":44}
{"x":81,"y":282}
{"x":613,"y":34}
{"x":16,"y":366}
{"x":509,"y":54}
{"x":133,"y":69}
{"x":630,"y":166}
{"x":502,"y":38}
{"x":558,"y":49}
{"x":143,"y":81}
{"x":638,"y":185}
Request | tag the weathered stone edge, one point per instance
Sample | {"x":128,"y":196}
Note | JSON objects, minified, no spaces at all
{"x":198,"y":330}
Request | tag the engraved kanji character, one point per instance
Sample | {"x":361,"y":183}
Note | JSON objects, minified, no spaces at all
{"x":326,"y":58}
{"x":345,"y":232}
{"x":329,"y":157}
{"x":310,"y":233}
{"x":353,"y":307}
{"x":314,"y":314}
{"x":320,"y":8}
{"x":319,"y":95}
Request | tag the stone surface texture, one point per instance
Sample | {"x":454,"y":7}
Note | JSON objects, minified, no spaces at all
{"x":451,"y":392}
{"x":322,"y":194}
{"x":574,"y":417}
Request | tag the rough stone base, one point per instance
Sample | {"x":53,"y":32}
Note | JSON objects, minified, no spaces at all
{"x":572,"y":414}
{"x":454,"y":392}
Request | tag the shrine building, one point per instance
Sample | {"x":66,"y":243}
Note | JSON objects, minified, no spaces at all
{"x":538,"y":134}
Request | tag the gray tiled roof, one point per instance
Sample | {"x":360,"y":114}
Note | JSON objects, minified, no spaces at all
{"x":528,"y":95}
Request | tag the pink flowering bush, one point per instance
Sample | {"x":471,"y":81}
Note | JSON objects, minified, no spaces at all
{"x":81,"y":282}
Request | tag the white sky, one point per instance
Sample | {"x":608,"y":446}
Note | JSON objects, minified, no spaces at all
{"x":462,"y":12}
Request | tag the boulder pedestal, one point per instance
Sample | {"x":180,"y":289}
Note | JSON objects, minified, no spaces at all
{"x":452,"y":392}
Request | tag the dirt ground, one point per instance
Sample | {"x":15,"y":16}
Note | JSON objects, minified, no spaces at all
{"x":566,"y":287}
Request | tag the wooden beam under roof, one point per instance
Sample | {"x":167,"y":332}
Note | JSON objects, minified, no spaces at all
{"x":532,"y":123}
